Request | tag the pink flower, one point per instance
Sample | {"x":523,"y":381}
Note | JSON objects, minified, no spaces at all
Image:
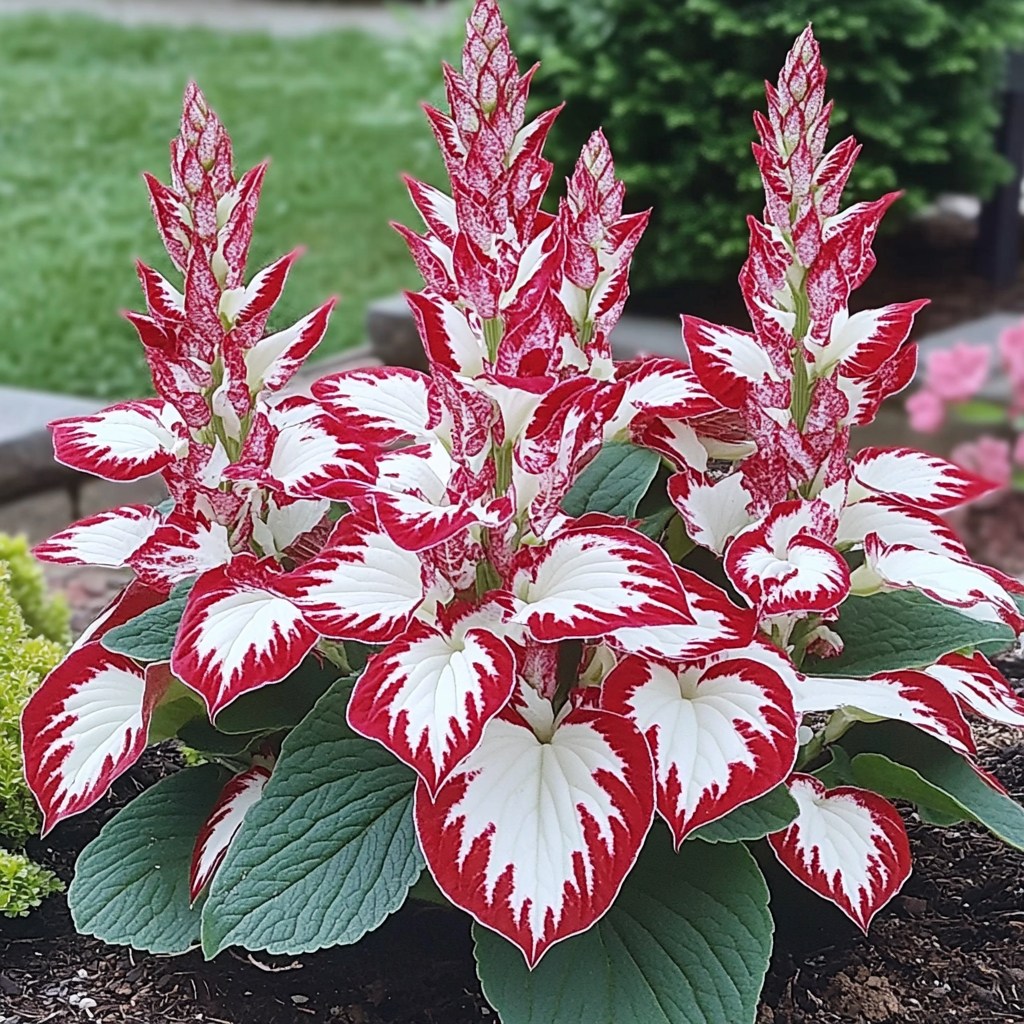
{"x":926,"y":411}
{"x":957,"y":373}
{"x":1018,"y":450}
{"x":1011,"y":348}
{"x":989,"y":457}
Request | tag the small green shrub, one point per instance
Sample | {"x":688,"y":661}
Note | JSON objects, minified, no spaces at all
{"x":45,"y":614}
{"x":673,"y":85}
{"x":33,"y":637}
{"x":23,"y":885}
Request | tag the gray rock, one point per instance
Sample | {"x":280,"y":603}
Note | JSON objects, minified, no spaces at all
{"x":393,"y":335}
{"x":26,"y":454}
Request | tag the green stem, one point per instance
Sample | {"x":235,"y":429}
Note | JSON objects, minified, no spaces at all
{"x":487,"y":578}
{"x":503,"y":468}
{"x":834,"y":730}
{"x":800,"y":401}
{"x":493,"y":330}
{"x":335,"y":654}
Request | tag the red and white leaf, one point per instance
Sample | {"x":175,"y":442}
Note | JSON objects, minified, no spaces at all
{"x":447,"y":336}
{"x":918,"y":479}
{"x":163,"y":300}
{"x":236,"y":799}
{"x":586,"y":582}
{"x":124,"y":442}
{"x":238,"y":632}
{"x":418,"y":500}
{"x":896,"y":523}
{"x":846,"y":844}
{"x":908,"y":696}
{"x":428,"y":695}
{"x":781,"y":566}
{"x":714,"y":511}
{"x":184,"y":546}
{"x":721,"y":734}
{"x":979,"y":686}
{"x":976,"y":590}
{"x":313,"y":453}
{"x":389,"y":400}
{"x":861,"y":343}
{"x":273,"y":360}
{"x":533,"y":834}
{"x":107,"y":538}
{"x":666,"y":387}
{"x":249,"y":308}
{"x":86,"y":724}
{"x":717,"y":625}
{"x":726,"y":361}
{"x":363,"y":586}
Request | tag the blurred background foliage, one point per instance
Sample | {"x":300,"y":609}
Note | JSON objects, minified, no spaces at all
{"x":674,"y":84}
{"x":88,"y":105}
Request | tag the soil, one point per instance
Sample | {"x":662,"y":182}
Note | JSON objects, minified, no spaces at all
{"x":949,"y":948}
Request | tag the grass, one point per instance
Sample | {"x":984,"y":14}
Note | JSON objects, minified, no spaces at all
{"x":86,"y":106}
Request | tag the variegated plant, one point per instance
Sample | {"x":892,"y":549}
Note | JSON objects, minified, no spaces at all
{"x":555,"y":597}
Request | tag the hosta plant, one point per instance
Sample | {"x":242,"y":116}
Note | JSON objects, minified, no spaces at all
{"x":548,"y":637}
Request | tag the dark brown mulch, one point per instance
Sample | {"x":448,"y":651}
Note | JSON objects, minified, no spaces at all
{"x":951,"y":947}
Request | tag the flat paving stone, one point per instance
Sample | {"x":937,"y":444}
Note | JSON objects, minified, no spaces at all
{"x":26,"y":454}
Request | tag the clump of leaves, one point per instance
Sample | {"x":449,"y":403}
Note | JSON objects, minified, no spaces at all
{"x":32,"y":624}
{"x":45,"y":614}
{"x":23,"y":884}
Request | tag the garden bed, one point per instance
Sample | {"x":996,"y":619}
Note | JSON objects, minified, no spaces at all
{"x":950,"y":947}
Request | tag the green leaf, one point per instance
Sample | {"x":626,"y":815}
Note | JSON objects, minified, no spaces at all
{"x":882,"y":775}
{"x":769,"y":813}
{"x":614,"y":482}
{"x":656,"y":510}
{"x":150,"y":636}
{"x":981,"y":412}
{"x":328,"y":852}
{"x":655,"y":524}
{"x":902,"y":629}
{"x":838,"y":771}
{"x":203,"y":737}
{"x":281,"y":705}
{"x":179,"y":706}
{"x":131,"y":882}
{"x":938,"y":770}
{"x":686,"y":942}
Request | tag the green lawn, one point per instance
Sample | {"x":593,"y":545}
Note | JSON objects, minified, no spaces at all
{"x":85,"y":107}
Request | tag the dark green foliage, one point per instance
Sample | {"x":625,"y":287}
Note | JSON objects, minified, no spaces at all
{"x":674,"y":85}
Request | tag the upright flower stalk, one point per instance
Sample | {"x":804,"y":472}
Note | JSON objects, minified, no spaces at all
{"x":554,"y":681}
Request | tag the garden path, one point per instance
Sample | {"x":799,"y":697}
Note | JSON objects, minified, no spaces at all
{"x":390,"y":20}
